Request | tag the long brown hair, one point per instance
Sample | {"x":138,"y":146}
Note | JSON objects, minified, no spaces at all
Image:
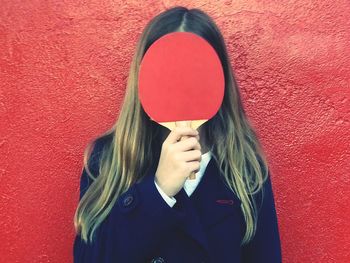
{"x":135,"y":138}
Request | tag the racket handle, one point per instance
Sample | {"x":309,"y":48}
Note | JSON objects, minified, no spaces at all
{"x":192,"y":175}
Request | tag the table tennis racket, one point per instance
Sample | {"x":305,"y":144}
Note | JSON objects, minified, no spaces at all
{"x":181,"y":79}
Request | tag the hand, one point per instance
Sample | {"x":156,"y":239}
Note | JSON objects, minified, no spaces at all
{"x":178,"y":159}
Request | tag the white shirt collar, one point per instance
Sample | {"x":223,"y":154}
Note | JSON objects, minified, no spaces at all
{"x":191,"y":184}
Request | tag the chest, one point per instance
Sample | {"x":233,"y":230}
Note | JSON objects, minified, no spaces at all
{"x":214,"y":239}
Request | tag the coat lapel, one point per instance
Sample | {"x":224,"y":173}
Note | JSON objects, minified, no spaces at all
{"x":191,"y":224}
{"x":212,"y":198}
{"x":210,"y":202}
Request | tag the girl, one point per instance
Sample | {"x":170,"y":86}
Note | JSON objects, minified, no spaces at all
{"x":136,"y":202}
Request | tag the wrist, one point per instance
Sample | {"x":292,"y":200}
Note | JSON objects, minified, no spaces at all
{"x":162,"y":188}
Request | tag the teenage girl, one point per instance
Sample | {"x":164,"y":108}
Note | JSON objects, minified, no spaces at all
{"x":137,"y":203}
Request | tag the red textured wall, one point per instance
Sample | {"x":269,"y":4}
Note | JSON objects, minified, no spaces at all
{"x":63,"y":72}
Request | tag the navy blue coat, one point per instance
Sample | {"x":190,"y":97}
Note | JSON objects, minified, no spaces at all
{"x":205,"y":227}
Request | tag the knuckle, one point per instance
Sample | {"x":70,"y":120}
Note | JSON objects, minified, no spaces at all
{"x":197,"y":164}
{"x":170,"y":147}
{"x":176,"y":131}
{"x":178,"y":128}
{"x":184,"y":167}
{"x":165,"y":144}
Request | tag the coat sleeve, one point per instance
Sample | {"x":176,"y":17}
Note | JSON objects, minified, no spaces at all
{"x":139,"y":221}
{"x":265,"y":245}
{"x":171,"y":201}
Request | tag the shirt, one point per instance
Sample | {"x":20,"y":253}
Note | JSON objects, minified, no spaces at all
{"x":190,"y":184}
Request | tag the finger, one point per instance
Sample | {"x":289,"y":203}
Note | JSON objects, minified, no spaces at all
{"x":187,"y":144}
{"x":193,"y":166}
{"x":179,"y":132}
{"x":192,"y":155}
